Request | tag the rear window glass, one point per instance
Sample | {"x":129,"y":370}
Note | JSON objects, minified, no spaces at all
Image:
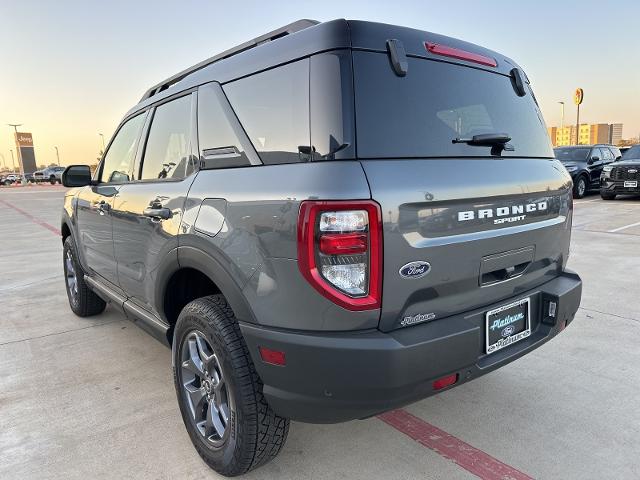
{"x":420,"y":114}
{"x":572,"y":154}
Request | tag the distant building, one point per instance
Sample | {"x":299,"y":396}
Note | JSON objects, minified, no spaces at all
{"x":615,"y":133}
{"x":598,"y":133}
{"x":587,"y":134}
{"x":561,"y":136}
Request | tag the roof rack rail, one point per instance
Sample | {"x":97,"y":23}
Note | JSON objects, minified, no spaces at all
{"x":267,"y":37}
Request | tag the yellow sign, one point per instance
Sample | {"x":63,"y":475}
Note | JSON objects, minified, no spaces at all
{"x":24,"y":139}
{"x":578,"y":96}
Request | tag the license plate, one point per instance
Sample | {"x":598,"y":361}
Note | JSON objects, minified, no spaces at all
{"x":508,"y":324}
{"x":629,"y":184}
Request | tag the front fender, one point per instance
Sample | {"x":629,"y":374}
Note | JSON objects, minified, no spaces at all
{"x":68,"y":220}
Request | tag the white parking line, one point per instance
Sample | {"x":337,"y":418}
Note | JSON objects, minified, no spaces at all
{"x":579,"y":202}
{"x":56,"y":191}
{"x":624,"y":228}
{"x":632,"y":202}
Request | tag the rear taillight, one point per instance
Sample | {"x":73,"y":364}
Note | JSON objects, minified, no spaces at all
{"x":340,"y":251}
{"x":343,"y":243}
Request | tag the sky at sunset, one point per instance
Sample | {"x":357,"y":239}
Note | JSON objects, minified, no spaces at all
{"x":70,"y":69}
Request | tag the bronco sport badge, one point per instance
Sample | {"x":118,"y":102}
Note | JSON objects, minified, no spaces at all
{"x":517,"y":210}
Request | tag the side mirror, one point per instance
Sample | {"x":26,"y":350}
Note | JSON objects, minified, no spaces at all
{"x":594,"y":159}
{"x":76,"y":176}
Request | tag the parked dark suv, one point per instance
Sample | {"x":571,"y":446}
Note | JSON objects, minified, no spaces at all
{"x":623,"y":177}
{"x":585,"y":164}
{"x":325,"y":223}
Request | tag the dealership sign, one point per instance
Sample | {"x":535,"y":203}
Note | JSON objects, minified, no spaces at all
{"x":24,"y":139}
{"x":26,"y":154}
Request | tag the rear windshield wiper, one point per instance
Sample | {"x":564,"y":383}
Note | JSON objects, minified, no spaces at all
{"x":485,"y":140}
{"x":498,"y":142}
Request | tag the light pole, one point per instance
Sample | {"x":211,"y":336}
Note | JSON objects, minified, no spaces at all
{"x":15,"y":128}
{"x":57,"y":154}
{"x":578,"y":124}
{"x":4,"y":161}
{"x":561,"y":114}
{"x":13,"y":162}
{"x":102,"y":137}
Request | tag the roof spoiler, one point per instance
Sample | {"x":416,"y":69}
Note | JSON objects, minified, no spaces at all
{"x":267,"y":37}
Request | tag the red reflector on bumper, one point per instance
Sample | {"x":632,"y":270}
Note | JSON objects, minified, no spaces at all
{"x":445,"y":381}
{"x":274,"y":357}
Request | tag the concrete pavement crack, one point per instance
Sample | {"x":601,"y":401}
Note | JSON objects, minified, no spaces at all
{"x":611,"y":314}
{"x":60,"y":333}
{"x":28,"y":284}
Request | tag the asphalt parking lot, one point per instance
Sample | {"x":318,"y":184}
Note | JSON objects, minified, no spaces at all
{"x":94,"y":398}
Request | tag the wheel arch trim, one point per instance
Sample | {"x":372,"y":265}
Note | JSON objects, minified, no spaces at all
{"x":69,"y":224}
{"x":197,"y":259}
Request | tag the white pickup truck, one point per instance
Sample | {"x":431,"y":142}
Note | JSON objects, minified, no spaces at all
{"x":49,"y":174}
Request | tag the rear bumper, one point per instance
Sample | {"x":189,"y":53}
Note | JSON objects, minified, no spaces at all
{"x":337,"y":377}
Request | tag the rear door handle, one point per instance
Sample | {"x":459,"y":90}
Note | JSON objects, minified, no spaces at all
{"x":157,"y":212}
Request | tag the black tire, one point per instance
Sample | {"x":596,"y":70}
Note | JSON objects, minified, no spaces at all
{"x":52,"y":180}
{"x":255,"y":434}
{"x":82,"y":300}
{"x":608,"y":196}
{"x":580,"y":187}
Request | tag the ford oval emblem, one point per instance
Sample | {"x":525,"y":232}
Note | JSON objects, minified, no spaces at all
{"x":415,"y":269}
{"x":507,"y":332}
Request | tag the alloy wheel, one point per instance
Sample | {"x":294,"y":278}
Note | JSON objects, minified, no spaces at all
{"x":582,"y":187}
{"x":72,"y":277}
{"x":205,"y":389}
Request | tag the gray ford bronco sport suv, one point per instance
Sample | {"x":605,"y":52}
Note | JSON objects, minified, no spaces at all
{"x":325,"y":223}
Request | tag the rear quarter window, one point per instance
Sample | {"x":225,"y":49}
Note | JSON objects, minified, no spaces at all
{"x":420,"y":114}
{"x":273,"y":108}
{"x":219,"y":144}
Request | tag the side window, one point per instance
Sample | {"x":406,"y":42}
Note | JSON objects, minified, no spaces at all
{"x":596,"y":152}
{"x":118,"y":161}
{"x":616,"y":153}
{"x":167,"y":154}
{"x":273,"y":108}
{"x":219,"y":143}
{"x":607,"y":155}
